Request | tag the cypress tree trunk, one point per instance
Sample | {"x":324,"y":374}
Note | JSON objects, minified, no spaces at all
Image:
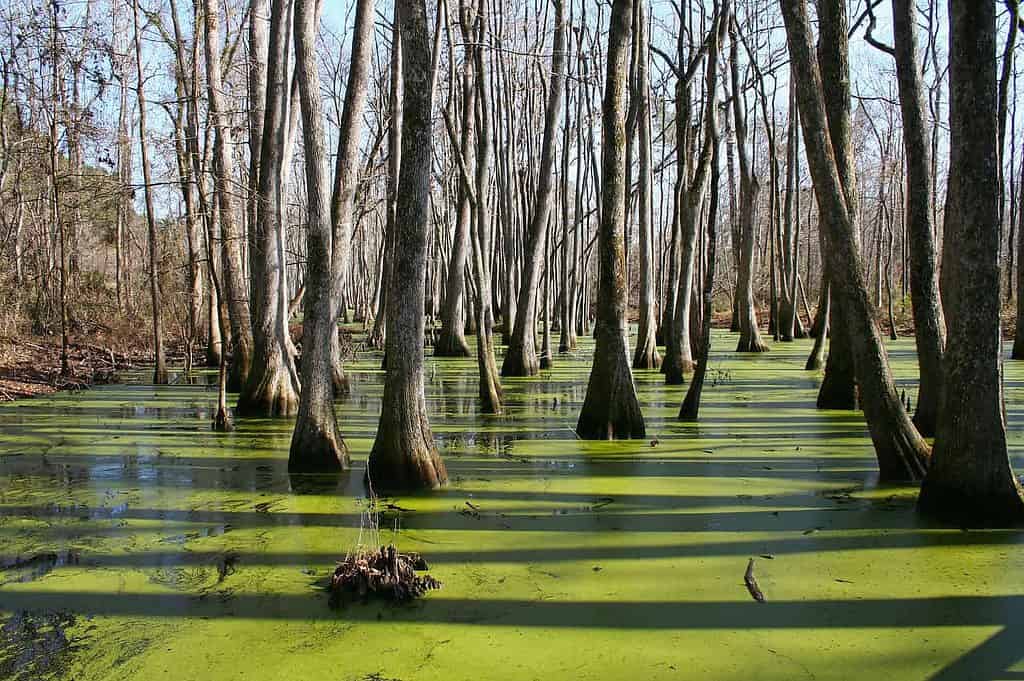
{"x":452,"y":340}
{"x":271,"y":388}
{"x":316,"y":442}
{"x":235,"y":291}
{"x":404,"y":455}
{"x":970,"y":479}
{"x":838,"y":387}
{"x":160,"y":370}
{"x":491,"y":393}
{"x":902,"y":453}
{"x":690,"y":408}
{"x":377,"y":336}
{"x":611,"y":408}
{"x":929,"y":327}
{"x":346,"y":174}
{"x":750,"y":332}
{"x":821,"y":323}
{"x":646,"y":355}
{"x":521,"y":354}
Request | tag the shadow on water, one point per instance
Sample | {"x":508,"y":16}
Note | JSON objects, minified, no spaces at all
{"x":121,"y":513}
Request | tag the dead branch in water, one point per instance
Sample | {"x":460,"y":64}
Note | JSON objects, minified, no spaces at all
{"x":751,"y":581}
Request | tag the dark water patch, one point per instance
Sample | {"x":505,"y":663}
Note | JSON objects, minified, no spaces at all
{"x":36,"y":645}
{"x":36,"y":566}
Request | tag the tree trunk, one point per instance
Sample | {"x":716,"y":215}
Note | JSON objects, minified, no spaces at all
{"x":160,"y":369}
{"x":404,"y":455}
{"x":235,"y":290}
{"x":452,"y":341}
{"x":271,"y":388}
{"x":750,"y":333}
{"x":611,"y":408}
{"x":929,"y":327}
{"x":690,"y":408}
{"x":521,"y":354}
{"x":838,"y":387}
{"x":491,"y":393}
{"x":346,"y":173}
{"x":380,"y":325}
{"x":970,"y":479}
{"x":646,"y":355}
{"x":316,"y":443}
{"x":902,"y":453}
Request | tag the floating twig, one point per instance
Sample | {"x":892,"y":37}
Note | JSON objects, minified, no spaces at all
{"x":751,"y":582}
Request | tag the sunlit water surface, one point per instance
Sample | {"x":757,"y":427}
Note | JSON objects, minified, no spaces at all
{"x":137,"y":544}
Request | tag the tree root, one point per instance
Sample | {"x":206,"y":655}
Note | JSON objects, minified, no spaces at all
{"x":384,"y":573}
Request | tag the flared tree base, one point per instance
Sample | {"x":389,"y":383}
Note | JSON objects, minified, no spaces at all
{"x":753,"y":343}
{"x":520,"y":362}
{"x":317,"y":450}
{"x":838,"y":394}
{"x":222,"y":421}
{"x":395,"y":466}
{"x":451,"y":345}
{"x":272,"y":397}
{"x":994,"y":502}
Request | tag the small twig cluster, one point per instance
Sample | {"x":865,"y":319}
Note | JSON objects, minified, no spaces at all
{"x":385,"y":573}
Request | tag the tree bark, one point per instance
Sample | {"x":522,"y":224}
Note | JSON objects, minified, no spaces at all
{"x":346,"y":173}
{"x":970,"y":480}
{"x":690,"y":407}
{"x":838,"y":387}
{"x":160,"y":368}
{"x":750,"y":333}
{"x":611,"y":408}
{"x":452,"y":340}
{"x":316,"y":444}
{"x":646,"y":355}
{"x":234,"y":287}
{"x":902,"y":453}
{"x":271,"y":388}
{"x":929,"y":326}
{"x":404,"y":455}
{"x":521,"y":354}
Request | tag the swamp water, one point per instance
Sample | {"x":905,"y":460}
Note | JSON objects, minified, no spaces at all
{"x":137,"y":544}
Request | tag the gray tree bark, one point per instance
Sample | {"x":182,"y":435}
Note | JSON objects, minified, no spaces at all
{"x":646,"y":355}
{"x":346,"y":173}
{"x":970,"y":479}
{"x":611,"y":408}
{"x":272,"y":386}
{"x":160,"y":368}
{"x":316,"y":444}
{"x":235,"y":290}
{"x":902,"y":453}
{"x":929,"y":326}
{"x":404,"y":455}
{"x":521,"y":354}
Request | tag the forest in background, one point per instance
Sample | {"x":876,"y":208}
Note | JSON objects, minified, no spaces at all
{"x":206,"y":175}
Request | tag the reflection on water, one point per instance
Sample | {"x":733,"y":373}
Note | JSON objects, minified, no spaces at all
{"x":136,"y":543}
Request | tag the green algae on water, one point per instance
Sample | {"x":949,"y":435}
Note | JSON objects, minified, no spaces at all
{"x":197,"y":556}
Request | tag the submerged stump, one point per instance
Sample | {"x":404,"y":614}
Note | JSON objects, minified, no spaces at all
{"x":384,"y":573}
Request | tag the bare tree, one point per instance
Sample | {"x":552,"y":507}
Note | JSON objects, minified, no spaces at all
{"x":611,"y":408}
{"x":404,"y":455}
{"x":970,"y":479}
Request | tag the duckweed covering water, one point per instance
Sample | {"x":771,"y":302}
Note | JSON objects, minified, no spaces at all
{"x":137,"y":544}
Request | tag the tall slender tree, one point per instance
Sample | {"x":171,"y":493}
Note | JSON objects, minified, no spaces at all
{"x":521,"y":354}
{"x":160,"y":368}
{"x":404,"y":455}
{"x":902,"y":453}
{"x":929,"y":326}
{"x":611,"y":408}
{"x":970,"y":479}
{"x":272,"y":385}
